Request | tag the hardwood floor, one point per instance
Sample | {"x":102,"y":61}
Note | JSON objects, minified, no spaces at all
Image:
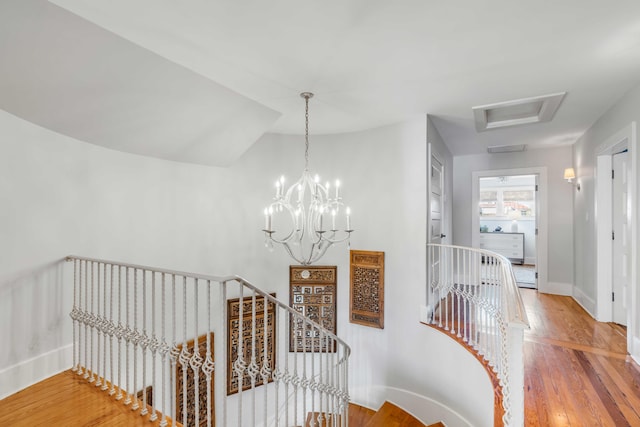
{"x":67,"y":400}
{"x":577,"y":372}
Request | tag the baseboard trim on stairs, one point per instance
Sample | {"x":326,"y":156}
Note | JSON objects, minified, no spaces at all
{"x":423,"y":408}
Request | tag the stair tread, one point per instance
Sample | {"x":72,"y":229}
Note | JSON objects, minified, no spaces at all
{"x":390,"y":415}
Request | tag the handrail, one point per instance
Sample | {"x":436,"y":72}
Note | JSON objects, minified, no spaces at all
{"x":472,"y":295}
{"x":138,"y":326}
{"x":219,"y":279}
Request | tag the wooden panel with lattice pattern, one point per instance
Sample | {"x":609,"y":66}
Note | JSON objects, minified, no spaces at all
{"x":263,"y":335}
{"x":312,"y":293}
{"x":367,"y":289}
{"x":191,"y":387}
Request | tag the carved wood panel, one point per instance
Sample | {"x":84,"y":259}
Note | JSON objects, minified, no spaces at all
{"x":312,"y":293}
{"x":191,"y":387}
{"x":264,"y":335}
{"x":367,"y":289}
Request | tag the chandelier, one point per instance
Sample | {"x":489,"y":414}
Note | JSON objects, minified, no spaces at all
{"x":308,"y":217}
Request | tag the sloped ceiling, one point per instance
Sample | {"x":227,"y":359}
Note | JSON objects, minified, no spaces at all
{"x":201,"y":80}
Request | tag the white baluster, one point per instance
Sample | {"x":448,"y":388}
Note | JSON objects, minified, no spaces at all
{"x":154,"y":348}
{"x":112,"y":391}
{"x":196,"y":360}
{"x":165,"y":349}
{"x":184,"y":354}
{"x":136,"y":338}
{"x":121,"y":330}
{"x":239,"y":363}
{"x":129,"y":332}
{"x":209,"y":364}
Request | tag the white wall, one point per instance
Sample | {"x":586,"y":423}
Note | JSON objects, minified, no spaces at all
{"x":619,"y":116}
{"x":61,"y":196}
{"x":383,"y":175}
{"x":560,"y":243}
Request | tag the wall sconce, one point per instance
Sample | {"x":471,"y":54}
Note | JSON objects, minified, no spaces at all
{"x":570,"y":175}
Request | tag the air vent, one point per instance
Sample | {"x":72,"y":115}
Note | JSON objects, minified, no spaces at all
{"x":506,"y":148}
{"x":519,"y":112}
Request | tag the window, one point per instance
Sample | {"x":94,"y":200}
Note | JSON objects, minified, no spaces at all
{"x":500,"y":199}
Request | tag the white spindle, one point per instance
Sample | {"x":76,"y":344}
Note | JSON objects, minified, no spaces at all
{"x":209,"y":366}
{"x":136,"y":339}
{"x":129,"y":332}
{"x":239,"y":362}
{"x":144,"y":343}
{"x":196,"y":360}
{"x":253,"y":367}
{"x":112,"y":391}
{"x":174,"y":348}
{"x":184,"y":354}
{"x":165,"y":349}
{"x":154,"y":349}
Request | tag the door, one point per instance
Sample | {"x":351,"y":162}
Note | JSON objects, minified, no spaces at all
{"x":621,"y":237}
{"x":435,"y":235}
{"x":436,"y":203}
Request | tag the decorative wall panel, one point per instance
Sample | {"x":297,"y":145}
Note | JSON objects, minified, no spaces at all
{"x":191,"y":387}
{"x":262,"y":334}
{"x":312,"y":293}
{"x":367,"y":289}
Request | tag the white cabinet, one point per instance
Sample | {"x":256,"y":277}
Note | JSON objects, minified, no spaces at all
{"x":510,"y":245}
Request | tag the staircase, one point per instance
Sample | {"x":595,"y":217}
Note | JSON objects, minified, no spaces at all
{"x":389,"y":415}
{"x":67,"y":400}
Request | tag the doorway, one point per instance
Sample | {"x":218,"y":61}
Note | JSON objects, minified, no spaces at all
{"x":510,"y":220}
{"x":617,"y":295}
{"x":508,"y":211}
{"x":621,"y":236}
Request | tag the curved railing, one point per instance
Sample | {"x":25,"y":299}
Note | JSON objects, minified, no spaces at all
{"x":472,"y":295}
{"x":203,"y":350}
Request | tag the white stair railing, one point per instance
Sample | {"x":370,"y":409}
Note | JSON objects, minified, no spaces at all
{"x":152,"y":337}
{"x":473,"y":296}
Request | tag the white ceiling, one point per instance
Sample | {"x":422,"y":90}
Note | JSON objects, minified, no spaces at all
{"x":201,"y":80}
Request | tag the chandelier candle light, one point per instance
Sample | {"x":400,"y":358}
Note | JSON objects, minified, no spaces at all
{"x":312,"y":215}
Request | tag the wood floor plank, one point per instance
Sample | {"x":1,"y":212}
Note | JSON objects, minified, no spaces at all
{"x":577,"y":372}
{"x":622,"y":394}
{"x":67,"y":400}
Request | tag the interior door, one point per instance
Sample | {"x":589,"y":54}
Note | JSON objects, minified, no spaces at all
{"x":435,"y":225}
{"x":536,"y":226}
{"x":621,"y":238}
{"x":436,"y":203}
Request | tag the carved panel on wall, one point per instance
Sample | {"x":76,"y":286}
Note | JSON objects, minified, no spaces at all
{"x":202,"y":390}
{"x":312,"y":293}
{"x":262,"y":335}
{"x":367,"y":289}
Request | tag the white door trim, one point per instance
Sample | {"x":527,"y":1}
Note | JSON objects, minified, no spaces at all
{"x":541,"y":246}
{"x":626,"y":137}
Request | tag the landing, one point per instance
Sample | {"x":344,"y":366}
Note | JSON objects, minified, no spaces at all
{"x":67,"y":400}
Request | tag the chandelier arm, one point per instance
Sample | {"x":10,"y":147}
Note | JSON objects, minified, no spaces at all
{"x":321,"y":252}
{"x":290,"y":252}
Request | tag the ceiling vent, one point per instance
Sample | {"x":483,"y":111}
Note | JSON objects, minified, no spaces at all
{"x":507,"y":148}
{"x":519,"y":112}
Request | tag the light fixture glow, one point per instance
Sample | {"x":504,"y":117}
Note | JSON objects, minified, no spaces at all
{"x":569,"y":174}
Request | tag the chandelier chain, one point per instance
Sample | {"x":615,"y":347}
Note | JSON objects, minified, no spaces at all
{"x":306,"y":133}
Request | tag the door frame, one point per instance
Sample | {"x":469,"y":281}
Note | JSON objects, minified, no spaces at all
{"x":541,"y":244}
{"x":624,"y":138}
